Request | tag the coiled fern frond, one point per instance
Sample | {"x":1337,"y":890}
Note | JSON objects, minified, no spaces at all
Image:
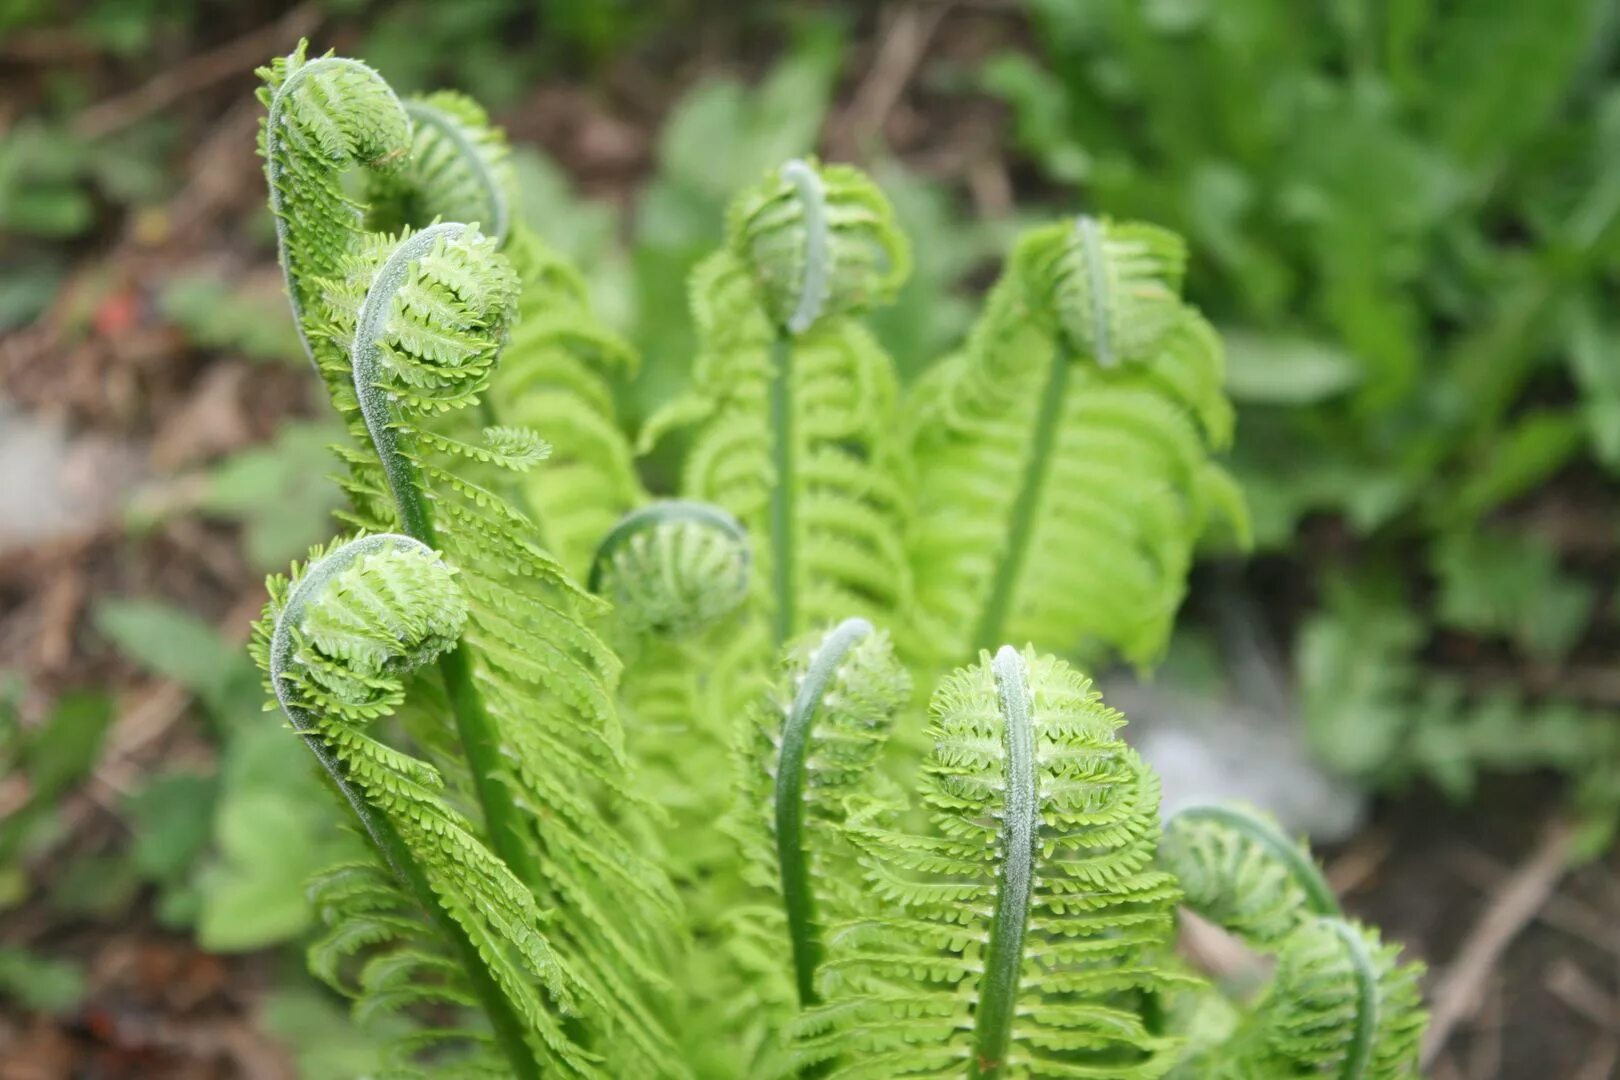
{"x":439,"y":919}
{"x":1339,"y":1003}
{"x":1062,"y":458}
{"x":673,"y":568}
{"x":411,"y":329}
{"x":794,"y":399}
{"x":1022,"y":935}
{"x":1240,"y":872}
{"x":323,"y":117}
{"x":560,"y":364}
{"x":459,"y":169}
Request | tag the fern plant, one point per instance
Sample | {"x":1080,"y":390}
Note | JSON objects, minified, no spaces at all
{"x":636,"y":774}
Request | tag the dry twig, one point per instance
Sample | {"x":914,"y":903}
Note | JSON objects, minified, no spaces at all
{"x":1458,"y":992}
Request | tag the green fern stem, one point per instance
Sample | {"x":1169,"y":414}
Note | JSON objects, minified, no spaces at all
{"x":507,"y":1029}
{"x":814,"y":286}
{"x":1021,"y":522}
{"x":781,"y":403}
{"x":1004,"y":958}
{"x":474,"y":727}
{"x":798,"y":898}
{"x":475,"y":162}
{"x":1359,"y":1055}
{"x":1319,"y":895}
{"x":276,"y":124}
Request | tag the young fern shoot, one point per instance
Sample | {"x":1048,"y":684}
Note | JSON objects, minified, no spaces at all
{"x":794,"y":398}
{"x":447,"y":923}
{"x":1339,"y":1004}
{"x":1062,"y":458}
{"x":1023,"y":936}
{"x":407,"y":332}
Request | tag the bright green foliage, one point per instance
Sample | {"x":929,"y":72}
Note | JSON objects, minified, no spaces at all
{"x":673,"y":568}
{"x":407,"y":333}
{"x":557,"y":377}
{"x":1062,"y":458}
{"x":1034,"y":896}
{"x":335,"y":641}
{"x":794,"y":402}
{"x":734,"y":882}
{"x":1338,"y":1003}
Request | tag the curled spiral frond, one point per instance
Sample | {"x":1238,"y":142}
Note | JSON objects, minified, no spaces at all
{"x":324,"y":116}
{"x":821,"y":242}
{"x":442,"y":921}
{"x":1340,"y":1005}
{"x":1238,"y":870}
{"x":361,"y":614}
{"x":673,"y":567}
{"x":459,"y":169}
{"x":1080,"y":417}
{"x":1114,"y":288}
{"x":1023,"y":931}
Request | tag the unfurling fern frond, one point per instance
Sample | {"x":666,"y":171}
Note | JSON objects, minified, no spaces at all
{"x":1063,"y":456}
{"x":673,"y":568}
{"x":458,"y":170}
{"x":323,"y":117}
{"x":811,"y":745}
{"x":558,"y":369}
{"x":441,"y":921}
{"x":1339,"y":1003}
{"x":1240,"y":872}
{"x":411,"y":331}
{"x":794,"y":399}
{"x":1023,"y":933}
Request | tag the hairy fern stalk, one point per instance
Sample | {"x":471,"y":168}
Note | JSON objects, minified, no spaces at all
{"x":649,"y":784}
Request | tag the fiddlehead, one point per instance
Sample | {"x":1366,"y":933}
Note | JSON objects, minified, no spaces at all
{"x":448,"y":924}
{"x":1021,"y":935}
{"x":556,"y":374}
{"x":459,"y":169}
{"x":323,"y":117}
{"x":1078,"y":418}
{"x":794,"y":398}
{"x":845,"y":693}
{"x":673,"y":568}
{"x":1338,"y":1004}
{"x":1240,"y":872}
{"x":409,"y":343}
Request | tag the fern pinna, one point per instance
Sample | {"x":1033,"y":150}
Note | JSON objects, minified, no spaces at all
{"x":658,"y":823}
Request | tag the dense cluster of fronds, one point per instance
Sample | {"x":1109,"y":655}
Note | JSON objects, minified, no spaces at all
{"x":656,"y":824}
{"x":406,"y":330}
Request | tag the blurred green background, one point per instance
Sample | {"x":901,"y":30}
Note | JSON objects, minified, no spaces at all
{"x":1402,"y":215}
